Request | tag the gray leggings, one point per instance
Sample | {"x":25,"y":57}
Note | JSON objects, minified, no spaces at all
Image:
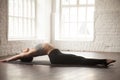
{"x":56,"y":57}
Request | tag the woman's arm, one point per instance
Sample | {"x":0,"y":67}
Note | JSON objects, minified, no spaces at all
{"x":26,"y":53}
{"x":16,"y":57}
{"x":13,"y":58}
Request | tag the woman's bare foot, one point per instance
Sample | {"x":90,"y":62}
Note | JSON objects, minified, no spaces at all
{"x":109,"y":61}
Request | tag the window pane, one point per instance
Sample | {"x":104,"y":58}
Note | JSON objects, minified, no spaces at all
{"x":73,"y":14}
{"x":90,"y":28}
{"x":81,"y":14}
{"x":33,"y":9}
{"x":16,"y":8}
{"x":73,"y":29}
{"x":11,"y":7}
{"x":90,"y":14}
{"x":29,"y":7}
{"x":11,"y":26}
{"x":25,"y":24}
{"x":15,"y":24}
{"x":21,"y":27}
{"x":91,"y":1}
{"x":82,"y":28}
{"x":65,"y":14}
{"x":65,"y":2}
{"x":33,"y":28}
{"x":20,"y":8}
{"x":25,"y":10}
{"x":65,"y":29}
{"x":82,"y":2}
{"x":73,"y":2}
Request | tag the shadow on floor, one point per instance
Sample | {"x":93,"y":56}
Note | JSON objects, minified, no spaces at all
{"x":47,"y":63}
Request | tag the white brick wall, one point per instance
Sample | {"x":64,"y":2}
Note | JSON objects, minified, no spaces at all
{"x":107,"y":31}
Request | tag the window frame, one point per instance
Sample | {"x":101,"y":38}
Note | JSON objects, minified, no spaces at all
{"x":23,"y":17}
{"x":87,"y":38}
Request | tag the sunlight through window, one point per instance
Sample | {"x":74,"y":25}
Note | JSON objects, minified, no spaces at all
{"x":76,"y":20}
{"x":21,"y":19}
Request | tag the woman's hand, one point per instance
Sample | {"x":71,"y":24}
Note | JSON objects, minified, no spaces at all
{"x":4,"y":60}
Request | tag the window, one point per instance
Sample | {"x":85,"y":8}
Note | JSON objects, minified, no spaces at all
{"x":76,"y":20}
{"x":21,"y":15}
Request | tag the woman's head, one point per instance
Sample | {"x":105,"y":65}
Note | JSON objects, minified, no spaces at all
{"x":26,"y":59}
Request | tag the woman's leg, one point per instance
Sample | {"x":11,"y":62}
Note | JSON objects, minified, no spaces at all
{"x":56,"y":57}
{"x":92,"y":61}
{"x":73,"y":59}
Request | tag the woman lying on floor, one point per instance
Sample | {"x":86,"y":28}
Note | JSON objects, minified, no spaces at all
{"x":56,"y":57}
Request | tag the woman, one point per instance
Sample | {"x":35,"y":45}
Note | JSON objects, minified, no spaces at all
{"x":56,"y":57}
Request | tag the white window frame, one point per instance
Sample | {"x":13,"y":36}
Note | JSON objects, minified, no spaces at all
{"x":17,"y":30}
{"x":58,"y":24}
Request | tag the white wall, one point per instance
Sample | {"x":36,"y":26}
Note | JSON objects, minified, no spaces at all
{"x":107,"y":30}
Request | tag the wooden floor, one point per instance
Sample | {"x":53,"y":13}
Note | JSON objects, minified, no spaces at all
{"x":41,"y":69}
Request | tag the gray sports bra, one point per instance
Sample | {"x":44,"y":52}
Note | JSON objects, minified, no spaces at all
{"x":40,"y":50}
